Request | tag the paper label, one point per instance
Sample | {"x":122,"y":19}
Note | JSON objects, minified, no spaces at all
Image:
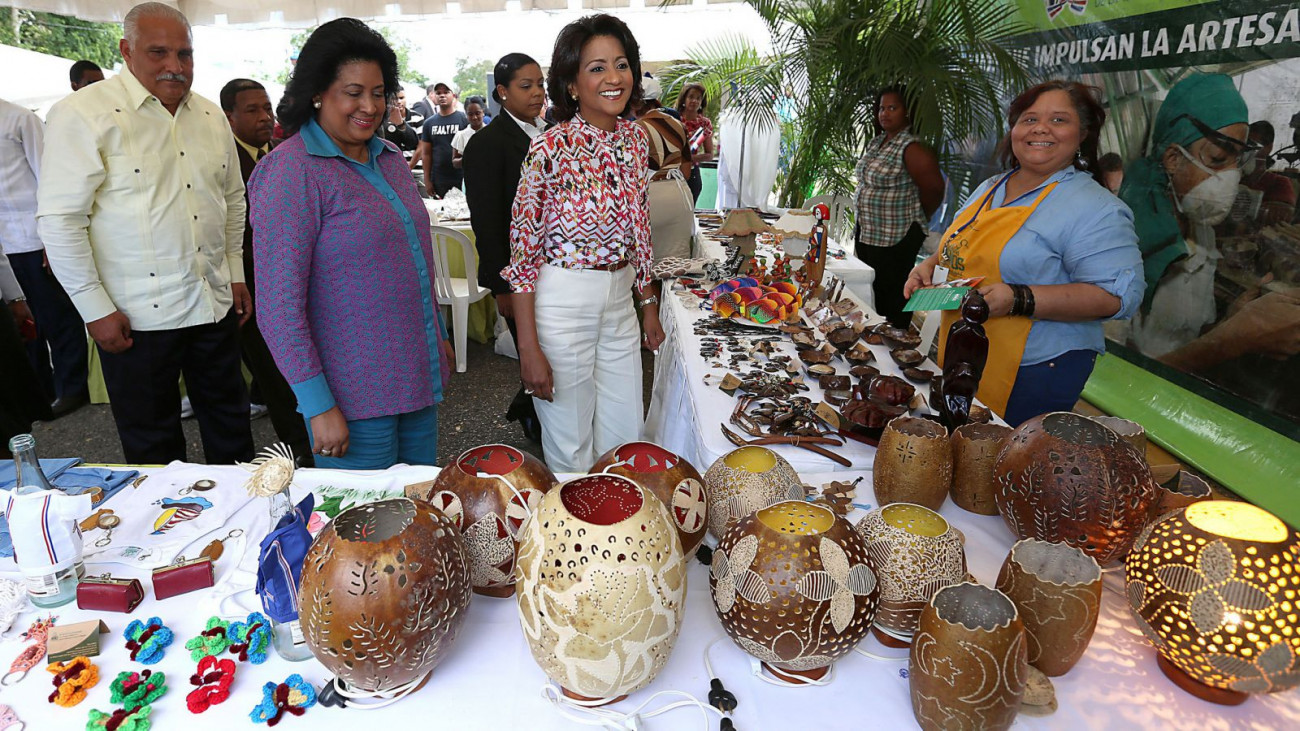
{"x":75,"y":640}
{"x":940,"y":275}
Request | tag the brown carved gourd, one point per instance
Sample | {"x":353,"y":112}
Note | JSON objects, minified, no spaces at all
{"x":1057,"y":590}
{"x":673,"y":480}
{"x":745,"y":480}
{"x":913,"y":463}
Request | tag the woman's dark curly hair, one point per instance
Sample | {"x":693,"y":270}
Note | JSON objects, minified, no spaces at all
{"x":330,"y":47}
{"x":688,"y":88}
{"x":1087,"y":105}
{"x":567,"y":55}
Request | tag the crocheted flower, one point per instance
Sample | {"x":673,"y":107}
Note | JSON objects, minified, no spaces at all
{"x":121,"y":720}
{"x":212,"y":641}
{"x":132,"y":689}
{"x":71,"y":680}
{"x":213,"y":680}
{"x":293,"y":696}
{"x":147,"y":640}
{"x":251,"y":639}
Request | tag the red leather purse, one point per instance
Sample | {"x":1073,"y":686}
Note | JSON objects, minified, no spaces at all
{"x":106,"y":594}
{"x":182,"y":578}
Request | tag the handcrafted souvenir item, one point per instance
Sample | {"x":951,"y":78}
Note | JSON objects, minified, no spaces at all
{"x":743,"y":225}
{"x":1065,"y":478}
{"x":905,"y":357}
{"x":211,"y":641}
{"x":212,"y":681}
{"x":1057,"y":591}
{"x":132,"y":690}
{"x":71,"y":680}
{"x":792,"y":586}
{"x":918,"y":375}
{"x":294,"y":696}
{"x":250,"y":639}
{"x":1183,"y":489}
{"x":967,"y":667}
{"x":864,"y":372}
{"x":966,"y":351}
{"x":272,"y":471}
{"x":914,"y":553}
{"x":106,"y":594}
{"x":1214,"y":587}
{"x":975,"y":450}
{"x":13,"y":602}
{"x":384,"y":591}
{"x":1131,"y":431}
{"x":9,"y":720}
{"x":867,"y":415}
{"x":183,"y":577}
{"x":121,"y":719}
{"x":745,"y":480}
{"x":913,"y":463}
{"x":891,"y":390}
{"x":148,"y":640}
{"x":670,"y":478}
{"x":601,"y":586}
{"x":39,"y":635}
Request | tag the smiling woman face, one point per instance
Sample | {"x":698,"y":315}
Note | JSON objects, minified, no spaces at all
{"x":350,"y":109}
{"x":1047,"y":134}
{"x":604,"y":82}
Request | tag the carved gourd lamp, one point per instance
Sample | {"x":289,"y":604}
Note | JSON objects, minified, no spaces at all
{"x":792,"y":586}
{"x":673,"y":480}
{"x":745,"y":480}
{"x":1215,"y":587}
{"x":489,"y":491}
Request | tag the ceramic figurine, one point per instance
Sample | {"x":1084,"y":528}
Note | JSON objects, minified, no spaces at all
{"x":965,"y":353}
{"x":383,"y":594}
{"x":489,"y":492}
{"x":668,"y":477}
{"x":913,"y":463}
{"x":1057,"y":590}
{"x":792,"y":586}
{"x":601,"y":584}
{"x":1065,"y":478}
{"x":975,"y":450}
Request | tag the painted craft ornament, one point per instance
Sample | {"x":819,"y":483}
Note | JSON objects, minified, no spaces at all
{"x":673,"y":480}
{"x":745,"y":480}
{"x":250,"y":639}
{"x":121,"y":719}
{"x":294,"y":696}
{"x":148,"y":640}
{"x":792,"y":586}
{"x":212,"y":684}
{"x":132,"y":690}
{"x":602,"y":586}
{"x":384,"y":591}
{"x":489,"y":492}
{"x":272,"y":471}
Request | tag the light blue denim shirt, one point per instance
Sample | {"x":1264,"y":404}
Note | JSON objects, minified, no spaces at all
{"x":1081,"y":232}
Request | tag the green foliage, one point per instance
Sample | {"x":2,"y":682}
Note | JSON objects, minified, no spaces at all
{"x":60,"y":35}
{"x":836,"y":54}
{"x":400,"y":45}
{"x":471,"y":77}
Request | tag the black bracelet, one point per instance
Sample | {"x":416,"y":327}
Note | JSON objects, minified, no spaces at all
{"x":1017,"y":300}
{"x":1028,"y":310}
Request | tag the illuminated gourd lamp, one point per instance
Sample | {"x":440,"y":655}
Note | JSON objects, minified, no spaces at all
{"x":743,"y":225}
{"x":745,"y":480}
{"x":1215,"y":587}
{"x":794,"y":227}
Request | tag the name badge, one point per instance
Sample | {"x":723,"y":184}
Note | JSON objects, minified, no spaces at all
{"x":940,"y":275}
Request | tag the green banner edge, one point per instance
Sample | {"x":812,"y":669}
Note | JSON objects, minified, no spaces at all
{"x":1253,"y":461}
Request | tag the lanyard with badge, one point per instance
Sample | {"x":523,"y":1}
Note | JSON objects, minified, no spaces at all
{"x":940,"y":271}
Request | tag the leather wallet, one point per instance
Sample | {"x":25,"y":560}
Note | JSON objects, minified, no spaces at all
{"x":182,"y":578}
{"x":106,"y":594}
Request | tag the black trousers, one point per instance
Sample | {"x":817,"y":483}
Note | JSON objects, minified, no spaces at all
{"x":892,"y":265}
{"x":143,"y":383}
{"x":21,"y":400}
{"x":695,"y":183}
{"x":275,"y":392}
{"x":61,"y":335}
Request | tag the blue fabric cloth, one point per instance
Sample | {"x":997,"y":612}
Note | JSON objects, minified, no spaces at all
{"x":1080,"y":233}
{"x":51,"y":467}
{"x":73,"y":480}
{"x":1052,"y":385}
{"x":381,"y":442}
{"x":279,"y":565}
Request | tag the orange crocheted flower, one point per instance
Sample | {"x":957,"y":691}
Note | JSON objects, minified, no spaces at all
{"x":71,"y":680}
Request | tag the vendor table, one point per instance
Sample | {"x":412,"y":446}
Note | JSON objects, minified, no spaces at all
{"x":489,"y":680}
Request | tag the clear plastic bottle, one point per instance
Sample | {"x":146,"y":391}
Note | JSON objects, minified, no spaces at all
{"x":287,"y":636}
{"x":46,"y":586}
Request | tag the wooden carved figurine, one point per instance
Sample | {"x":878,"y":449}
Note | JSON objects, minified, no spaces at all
{"x":966,"y":352}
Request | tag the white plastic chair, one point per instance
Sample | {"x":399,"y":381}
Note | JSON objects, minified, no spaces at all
{"x":457,"y":292}
{"x":841,"y":206}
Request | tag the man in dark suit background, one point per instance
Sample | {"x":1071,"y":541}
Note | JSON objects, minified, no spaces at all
{"x":248,"y":108}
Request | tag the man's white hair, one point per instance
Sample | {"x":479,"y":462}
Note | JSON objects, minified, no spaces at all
{"x":131,"y":23}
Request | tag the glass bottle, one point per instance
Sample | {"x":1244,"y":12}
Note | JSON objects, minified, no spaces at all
{"x":289,"y":641}
{"x":46,"y":586}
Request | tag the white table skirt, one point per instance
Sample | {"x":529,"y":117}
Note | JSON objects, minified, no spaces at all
{"x":489,"y":680}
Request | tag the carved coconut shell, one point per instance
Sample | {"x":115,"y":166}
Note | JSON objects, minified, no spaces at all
{"x":891,"y":390}
{"x":667,"y":476}
{"x":906,"y":357}
{"x":814,"y":356}
{"x":745,"y":480}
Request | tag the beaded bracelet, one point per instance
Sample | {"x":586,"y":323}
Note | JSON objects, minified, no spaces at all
{"x":71,"y":680}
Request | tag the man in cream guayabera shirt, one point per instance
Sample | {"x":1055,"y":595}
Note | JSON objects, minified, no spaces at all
{"x":141,"y":208}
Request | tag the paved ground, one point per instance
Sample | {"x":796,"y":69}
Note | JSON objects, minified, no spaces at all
{"x":472,"y":414}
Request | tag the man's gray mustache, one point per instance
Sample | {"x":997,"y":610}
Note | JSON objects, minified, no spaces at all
{"x":171,"y":77}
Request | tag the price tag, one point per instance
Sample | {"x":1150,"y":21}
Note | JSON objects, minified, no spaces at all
{"x":828,"y":415}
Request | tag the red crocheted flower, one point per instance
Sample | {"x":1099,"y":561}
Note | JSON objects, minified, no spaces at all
{"x":213,"y":680}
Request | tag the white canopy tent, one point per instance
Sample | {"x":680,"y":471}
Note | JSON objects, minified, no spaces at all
{"x":312,"y":12}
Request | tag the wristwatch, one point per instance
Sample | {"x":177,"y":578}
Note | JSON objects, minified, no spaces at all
{"x":651,"y":300}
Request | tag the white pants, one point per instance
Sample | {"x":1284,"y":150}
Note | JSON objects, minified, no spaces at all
{"x":588,"y":331}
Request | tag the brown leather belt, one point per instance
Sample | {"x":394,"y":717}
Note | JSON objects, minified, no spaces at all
{"x":609,"y":267}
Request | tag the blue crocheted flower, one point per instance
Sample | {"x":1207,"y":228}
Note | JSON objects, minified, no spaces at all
{"x":250,"y":639}
{"x":294,"y":696}
{"x":147,"y":640}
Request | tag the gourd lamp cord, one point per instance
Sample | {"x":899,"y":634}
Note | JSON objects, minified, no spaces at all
{"x":585,"y":712}
{"x":389,"y":696}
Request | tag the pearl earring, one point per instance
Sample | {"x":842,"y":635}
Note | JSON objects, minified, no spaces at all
{"x":316,"y":104}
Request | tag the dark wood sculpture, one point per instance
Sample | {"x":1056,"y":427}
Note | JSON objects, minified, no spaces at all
{"x":965,"y":354}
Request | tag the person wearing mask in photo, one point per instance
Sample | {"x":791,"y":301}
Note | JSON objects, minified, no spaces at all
{"x":1057,"y":252}
{"x":580,"y":243}
{"x":440,"y":128}
{"x":1179,"y":192}
{"x":691,"y":103}
{"x":493,"y":160}
{"x":475,"y":107}
{"x":899,"y":189}
{"x":345,"y":261}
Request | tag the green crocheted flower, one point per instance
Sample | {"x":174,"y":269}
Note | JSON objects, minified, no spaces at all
{"x":133,"y":689}
{"x":121,"y":720}
{"x":212,"y":641}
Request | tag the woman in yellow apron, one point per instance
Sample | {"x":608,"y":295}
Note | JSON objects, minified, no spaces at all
{"x":1057,"y":252}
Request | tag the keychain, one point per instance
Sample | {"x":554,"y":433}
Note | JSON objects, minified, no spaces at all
{"x":214,"y":549}
{"x":199,"y":486}
{"x":106,"y":521}
{"x":39,"y":634}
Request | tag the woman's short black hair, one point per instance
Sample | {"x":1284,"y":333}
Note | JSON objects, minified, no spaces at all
{"x":567,"y":55}
{"x":504,"y":72}
{"x":476,"y":99}
{"x":330,"y":47}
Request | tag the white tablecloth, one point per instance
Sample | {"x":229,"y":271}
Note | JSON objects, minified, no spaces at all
{"x":489,"y":680}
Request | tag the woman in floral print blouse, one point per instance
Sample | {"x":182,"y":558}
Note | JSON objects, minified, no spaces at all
{"x":580,"y":244}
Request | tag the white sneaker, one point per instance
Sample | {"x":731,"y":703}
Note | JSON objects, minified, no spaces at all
{"x":187,"y":411}
{"x":256,"y":411}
